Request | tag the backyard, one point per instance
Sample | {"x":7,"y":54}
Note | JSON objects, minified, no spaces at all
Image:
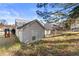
{"x":64,"y":44}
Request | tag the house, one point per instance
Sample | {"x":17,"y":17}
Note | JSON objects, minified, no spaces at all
{"x":18,"y":23}
{"x":48,"y":28}
{"x":52,"y":28}
{"x":30,"y":31}
{"x":3,"y":27}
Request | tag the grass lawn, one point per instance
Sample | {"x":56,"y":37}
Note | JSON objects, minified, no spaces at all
{"x":65,"y":44}
{"x":9,"y":45}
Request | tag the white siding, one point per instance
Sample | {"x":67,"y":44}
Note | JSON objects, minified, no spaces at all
{"x":33,"y":29}
{"x":17,"y":32}
{"x":47,"y":32}
{"x":21,"y":35}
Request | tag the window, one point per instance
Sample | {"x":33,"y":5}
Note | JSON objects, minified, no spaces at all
{"x":33,"y":38}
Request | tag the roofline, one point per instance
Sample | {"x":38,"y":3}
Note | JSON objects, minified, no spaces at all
{"x":31,"y":22}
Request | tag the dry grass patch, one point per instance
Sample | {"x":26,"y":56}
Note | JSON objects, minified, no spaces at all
{"x":65,"y":44}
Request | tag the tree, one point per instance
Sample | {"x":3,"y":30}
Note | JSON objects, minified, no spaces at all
{"x":3,"y":22}
{"x":68,"y":23}
{"x":74,"y":13}
{"x":54,"y":16}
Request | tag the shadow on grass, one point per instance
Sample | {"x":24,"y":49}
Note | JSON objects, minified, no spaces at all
{"x":63,"y":41}
{"x":38,"y":49}
{"x":41,"y":50}
{"x":68,"y":34}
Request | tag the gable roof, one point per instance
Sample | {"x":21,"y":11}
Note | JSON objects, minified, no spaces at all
{"x":52,"y":26}
{"x":31,"y":22}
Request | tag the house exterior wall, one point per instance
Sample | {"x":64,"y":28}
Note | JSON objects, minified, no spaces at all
{"x":47,"y":32}
{"x":19,"y":23}
{"x":17,"y":34}
{"x":20,"y":35}
{"x":32,"y":30}
{"x":2,"y":31}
